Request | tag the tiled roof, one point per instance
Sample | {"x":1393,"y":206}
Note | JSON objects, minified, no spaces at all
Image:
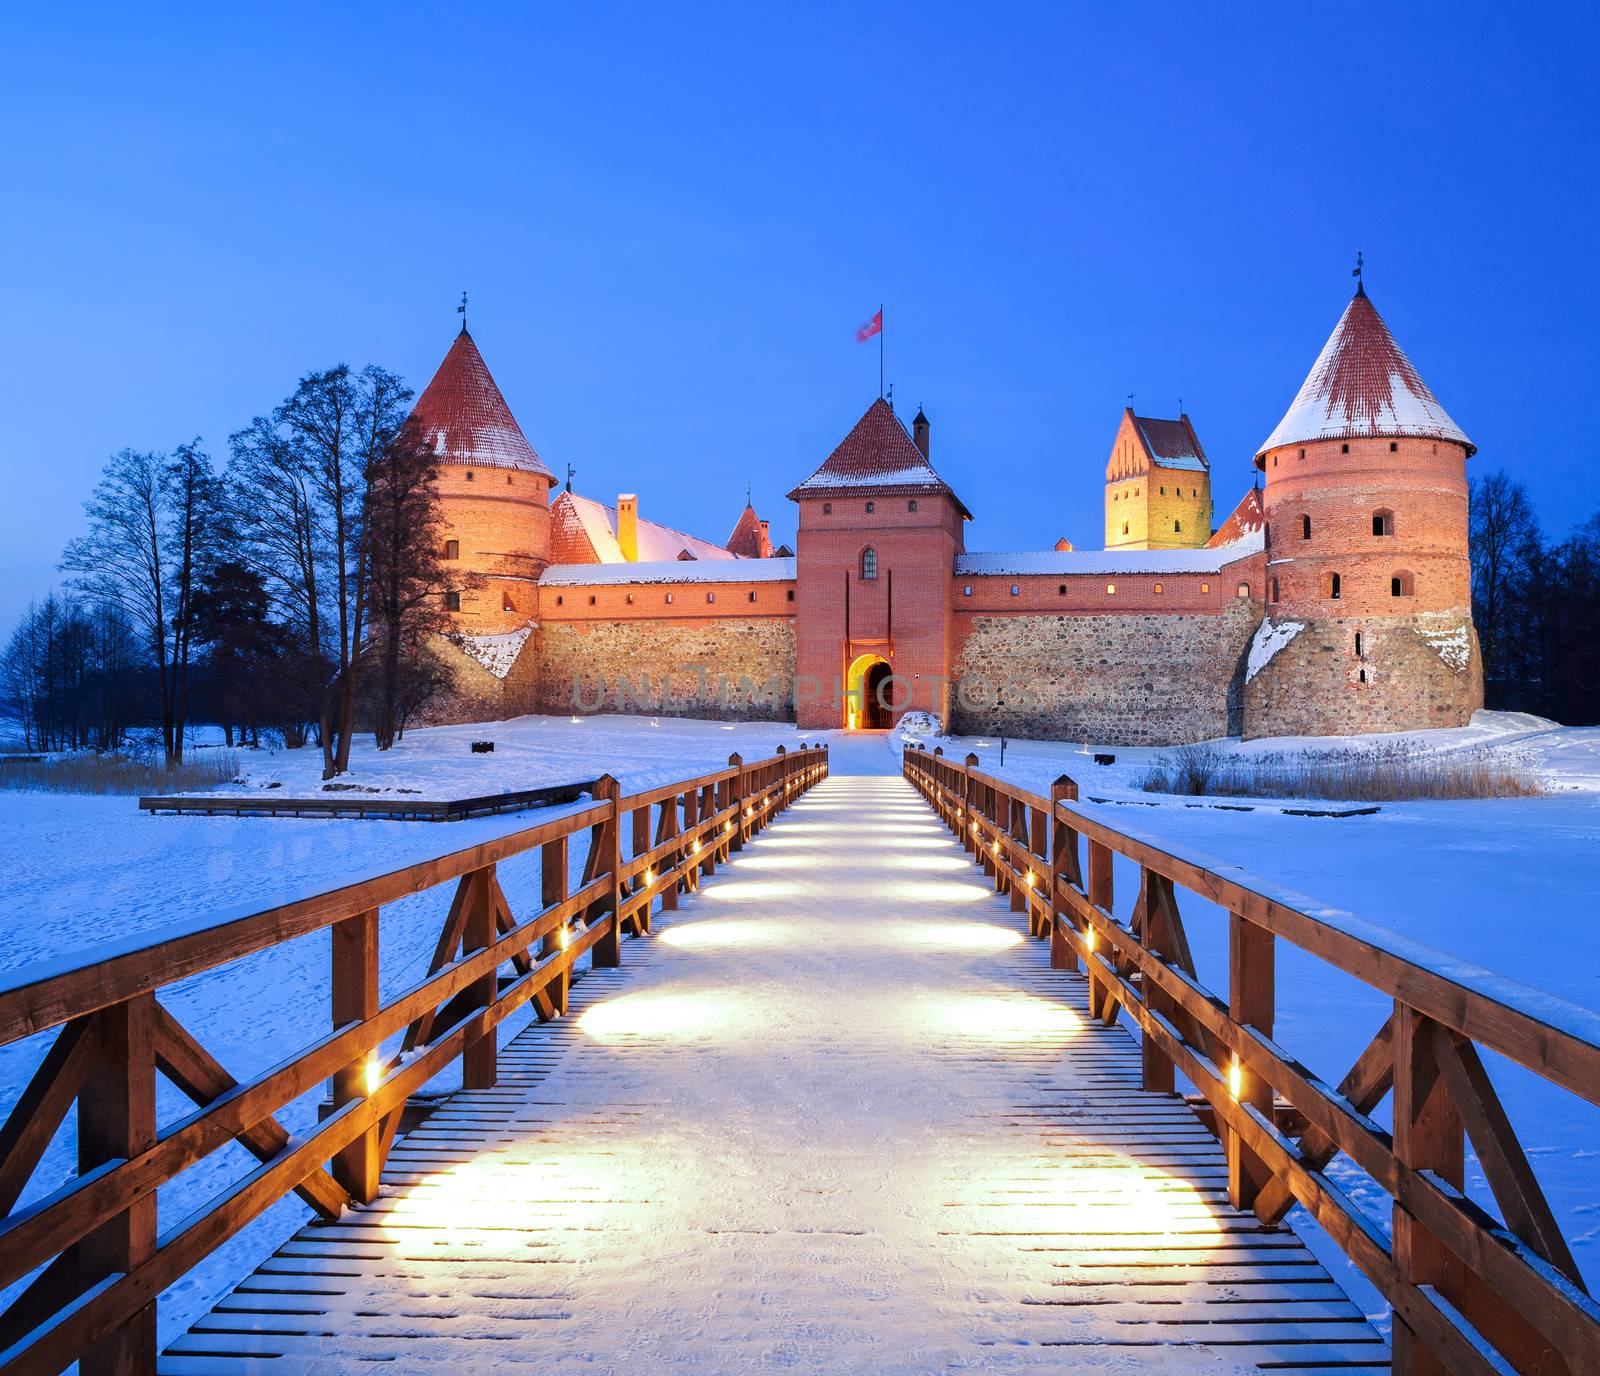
{"x":584,"y":531}
{"x":748,"y":540}
{"x":465,"y":419}
{"x":1363,"y":385}
{"x":1172,"y":443}
{"x":877,"y":455}
{"x":1246,"y":519}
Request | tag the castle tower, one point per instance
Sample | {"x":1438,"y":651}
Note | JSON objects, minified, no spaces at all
{"x":878,"y":536}
{"x":494,"y":493}
{"x":1366,"y":521}
{"x":1158,"y":485}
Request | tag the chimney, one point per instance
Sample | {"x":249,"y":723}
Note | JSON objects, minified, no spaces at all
{"x":628,"y":526}
{"x":919,"y":432}
{"x":766,"y":539}
{"x":1063,"y":545}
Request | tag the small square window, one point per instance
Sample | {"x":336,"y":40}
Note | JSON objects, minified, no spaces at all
{"x":827,"y":508}
{"x":559,"y":599}
{"x":711,"y":597}
{"x":630,"y":599}
{"x":1205,"y":587}
{"x":469,"y":475}
{"x":452,"y":600}
{"x":871,"y":507}
{"x":1015,"y":590}
{"x":508,"y":480}
{"x":1344,"y":448}
{"x":1110,"y":589}
{"x":790,"y":597}
{"x":1061,"y":591}
{"x":911,"y":505}
{"x":669,"y":599}
{"x":1393,"y":447}
{"x":1158,"y":590}
{"x":752,"y":596}
{"x":967,"y":591}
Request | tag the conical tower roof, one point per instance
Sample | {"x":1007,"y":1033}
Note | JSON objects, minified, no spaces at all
{"x":1363,"y":386}
{"x":465,"y":419}
{"x":878,"y":455}
{"x":746,"y":540}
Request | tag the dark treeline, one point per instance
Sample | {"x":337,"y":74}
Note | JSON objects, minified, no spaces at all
{"x":296,"y":592}
{"x":1537,"y":607}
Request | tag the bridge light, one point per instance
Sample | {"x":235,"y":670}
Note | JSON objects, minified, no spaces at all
{"x":371,"y":1075}
{"x":1089,"y":937}
{"x":1235,"y":1078}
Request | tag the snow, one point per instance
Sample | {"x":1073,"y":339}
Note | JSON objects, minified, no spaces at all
{"x":912,"y":475}
{"x":1111,"y":561}
{"x":497,"y":653}
{"x":1502,"y":885}
{"x":1454,"y":647}
{"x":728,"y":570}
{"x":1266,"y":643}
{"x":655,"y":542}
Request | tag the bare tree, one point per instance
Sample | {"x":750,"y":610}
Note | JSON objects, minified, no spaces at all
{"x":302,"y":481}
{"x":1502,"y":531}
{"x":153,"y":523}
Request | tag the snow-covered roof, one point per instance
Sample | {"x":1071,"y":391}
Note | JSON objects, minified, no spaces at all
{"x":725,"y":570}
{"x":1363,"y":385}
{"x":1246,"y":519}
{"x":582,"y":528}
{"x":464,"y":419}
{"x":1124,"y":561}
{"x":1172,"y":443}
{"x":877,"y":455}
{"x":749,"y":539}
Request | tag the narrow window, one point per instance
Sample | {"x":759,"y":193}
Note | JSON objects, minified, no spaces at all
{"x":1362,"y":676}
{"x":711,"y":597}
{"x":469,"y":475}
{"x":871,"y":507}
{"x":967,"y":591}
{"x":869,"y":564}
{"x":1244,"y":590}
{"x":452,"y":600}
{"x":1124,"y":527}
{"x":506,"y":604}
{"x":559,"y":598}
{"x":669,"y":599}
{"x":630,"y":599}
{"x":1305,"y":527}
{"x":827,"y":508}
{"x":508,"y":480}
{"x":1344,"y":448}
{"x":1334,"y":589}
{"x":1205,"y":587}
{"x":1177,"y":526}
{"x":1061,"y":591}
{"x":1163,"y":492}
{"x":1302,"y":453}
{"x":1274,"y":589}
{"x":752,"y":596}
{"x":1358,"y":644}
{"x":1393,"y":447}
{"x":1275,"y":458}
{"x":452,"y":549}
{"x":911,"y":505}
{"x":1400,"y":585}
{"x":1383,"y":523}
{"x":591,"y":599}
{"x":790,"y":597}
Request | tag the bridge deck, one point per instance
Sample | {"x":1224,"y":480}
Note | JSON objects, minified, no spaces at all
{"x":837,"y":1115}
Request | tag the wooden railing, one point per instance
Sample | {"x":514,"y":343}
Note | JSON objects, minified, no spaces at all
{"x":1471,"y":1293}
{"x":94,"y":1243}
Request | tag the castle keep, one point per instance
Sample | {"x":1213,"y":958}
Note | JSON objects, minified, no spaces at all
{"x":1334,"y":598}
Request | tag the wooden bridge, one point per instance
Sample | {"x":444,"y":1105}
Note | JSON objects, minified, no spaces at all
{"x":835,"y":1110}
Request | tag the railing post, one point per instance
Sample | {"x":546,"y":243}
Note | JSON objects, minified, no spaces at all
{"x":1252,"y":982}
{"x":480,"y":1061}
{"x":607,"y":952}
{"x":1158,"y":1074}
{"x":117,"y":1121}
{"x":736,"y":797}
{"x":1100,"y":895}
{"x":355,"y":999}
{"x":1063,"y":869}
{"x":553,"y":889}
{"x":667,"y":827}
{"x":783,"y":778}
{"x":969,"y":816}
{"x":641,"y":844}
{"x":1038,"y":875}
{"x":1428,"y":1136}
{"x":690,"y":853}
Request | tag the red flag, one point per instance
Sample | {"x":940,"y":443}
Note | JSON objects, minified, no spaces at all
{"x":872,"y":327}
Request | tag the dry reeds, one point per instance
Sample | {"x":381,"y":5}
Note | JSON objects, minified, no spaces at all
{"x":117,"y":773}
{"x":1385,"y":774}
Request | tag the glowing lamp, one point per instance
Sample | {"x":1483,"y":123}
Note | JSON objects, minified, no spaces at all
{"x":1029,"y":880}
{"x":649,"y":875}
{"x":371,"y":1075}
{"x":563,"y":936}
{"x":1089,"y":937}
{"x":1235,"y":1078}
{"x":695,"y":848}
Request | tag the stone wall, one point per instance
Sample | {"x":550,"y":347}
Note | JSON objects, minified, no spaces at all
{"x":1411,"y":673}
{"x":1129,"y":679}
{"x":647,"y":666}
{"x":478,"y":695}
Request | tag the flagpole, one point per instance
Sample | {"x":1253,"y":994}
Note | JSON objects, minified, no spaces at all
{"x":880,"y":352}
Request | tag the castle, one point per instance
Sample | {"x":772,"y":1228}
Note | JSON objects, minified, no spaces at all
{"x":1334,"y":599}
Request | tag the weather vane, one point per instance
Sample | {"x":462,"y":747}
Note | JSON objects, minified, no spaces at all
{"x":1360,"y":263}
{"x":570,"y":471}
{"x":461,"y":310}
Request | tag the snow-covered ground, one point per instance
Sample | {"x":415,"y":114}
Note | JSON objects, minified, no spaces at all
{"x":1509,"y":884}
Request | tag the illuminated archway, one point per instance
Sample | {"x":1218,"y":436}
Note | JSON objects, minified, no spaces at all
{"x":864,"y":709}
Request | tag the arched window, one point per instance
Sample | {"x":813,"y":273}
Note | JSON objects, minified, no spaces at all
{"x":1335,"y":591}
{"x":1124,"y":527}
{"x":1244,"y":590}
{"x":1177,"y":526}
{"x":869,"y":564}
{"x":1383,"y":522}
{"x":1305,"y":527}
{"x":1358,"y":644}
{"x":1400,"y":584}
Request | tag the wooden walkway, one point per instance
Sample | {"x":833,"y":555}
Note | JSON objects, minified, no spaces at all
{"x":838,"y":1115}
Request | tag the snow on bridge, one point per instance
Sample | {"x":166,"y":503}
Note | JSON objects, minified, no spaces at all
{"x":838,"y":1114}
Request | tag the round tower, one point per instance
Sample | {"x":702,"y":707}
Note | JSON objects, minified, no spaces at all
{"x":494,"y":494}
{"x":1369,"y":602}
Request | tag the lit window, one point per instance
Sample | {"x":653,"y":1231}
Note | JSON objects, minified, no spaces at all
{"x":1244,"y":590}
{"x":630,"y":599}
{"x":1110,"y":589}
{"x":1157,"y":590}
{"x":1205,"y":587}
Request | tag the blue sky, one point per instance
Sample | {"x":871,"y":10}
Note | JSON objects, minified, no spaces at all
{"x":670,"y":224}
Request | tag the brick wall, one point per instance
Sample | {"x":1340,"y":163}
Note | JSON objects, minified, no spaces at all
{"x":1150,"y":503}
{"x":500,"y":521}
{"x":1140,"y":678}
{"x":1411,"y":673}
{"x":608,"y":666}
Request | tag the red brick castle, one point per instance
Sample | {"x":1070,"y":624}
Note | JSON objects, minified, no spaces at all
{"x":1333,"y":600}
